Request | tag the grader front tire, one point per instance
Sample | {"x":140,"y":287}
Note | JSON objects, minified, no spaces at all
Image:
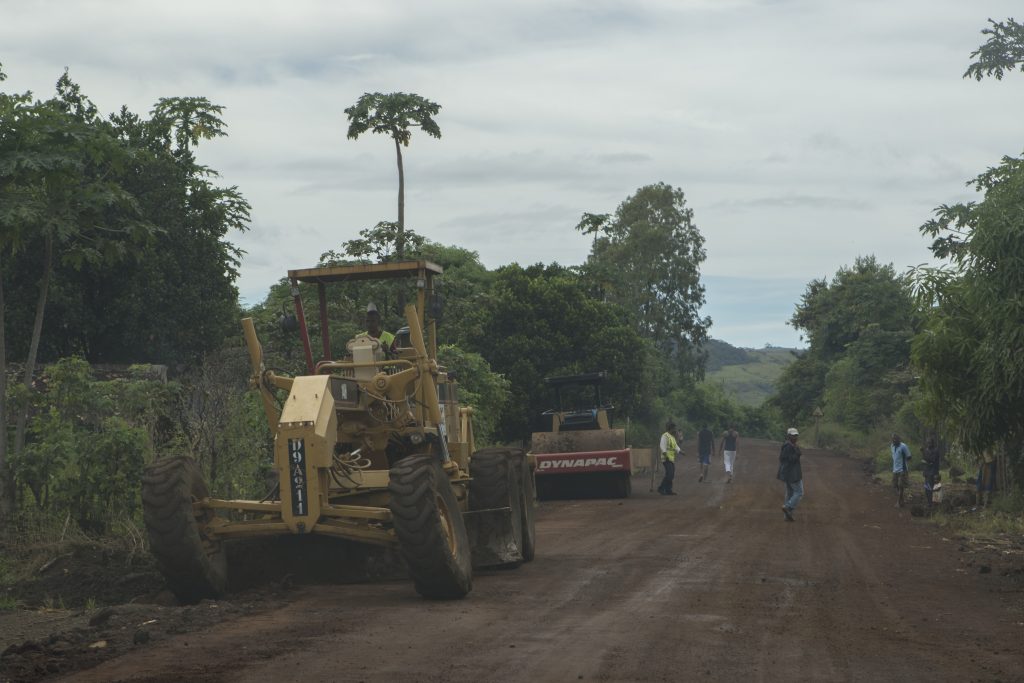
{"x":431,"y":533}
{"x":193,"y":564}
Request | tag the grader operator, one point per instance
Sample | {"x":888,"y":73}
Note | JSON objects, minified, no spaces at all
{"x":370,"y":447}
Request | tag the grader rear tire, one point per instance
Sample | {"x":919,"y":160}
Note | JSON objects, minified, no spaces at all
{"x":431,"y":533}
{"x":193,"y":564}
{"x":498,"y":482}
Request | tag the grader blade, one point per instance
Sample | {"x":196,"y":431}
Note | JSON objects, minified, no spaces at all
{"x":493,"y":538}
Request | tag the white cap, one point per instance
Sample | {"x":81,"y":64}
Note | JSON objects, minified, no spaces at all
{"x":371,"y":307}
{"x":792,"y":432}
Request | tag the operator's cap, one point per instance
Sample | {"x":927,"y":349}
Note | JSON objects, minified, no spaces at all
{"x":792,"y":432}
{"x":372,"y":308}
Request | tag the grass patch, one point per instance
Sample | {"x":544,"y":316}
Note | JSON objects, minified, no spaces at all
{"x":49,"y":562}
{"x":982,"y":523}
{"x":7,"y":603}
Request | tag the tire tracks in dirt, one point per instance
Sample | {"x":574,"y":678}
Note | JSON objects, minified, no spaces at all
{"x":709,"y":584}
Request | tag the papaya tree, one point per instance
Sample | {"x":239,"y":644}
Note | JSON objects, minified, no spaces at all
{"x":394,"y":114}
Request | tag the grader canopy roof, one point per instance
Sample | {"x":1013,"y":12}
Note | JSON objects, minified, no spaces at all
{"x":423,"y":271}
{"x":375,"y":271}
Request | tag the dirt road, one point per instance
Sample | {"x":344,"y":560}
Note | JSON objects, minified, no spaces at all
{"x":711,"y":584}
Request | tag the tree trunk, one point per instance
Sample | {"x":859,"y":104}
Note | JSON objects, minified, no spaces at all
{"x":400,"y":239}
{"x":33,"y":349}
{"x":214,"y":460}
{"x":6,"y":475}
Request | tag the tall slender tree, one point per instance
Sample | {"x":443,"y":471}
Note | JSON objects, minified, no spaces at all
{"x":394,"y":114}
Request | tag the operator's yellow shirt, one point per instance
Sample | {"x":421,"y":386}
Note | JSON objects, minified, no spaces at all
{"x":386,"y":339}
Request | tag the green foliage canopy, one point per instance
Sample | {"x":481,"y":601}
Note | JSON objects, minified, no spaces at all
{"x":1002,"y":52}
{"x":541,"y":321}
{"x":969,"y":350}
{"x":858,"y":326}
{"x":646,"y":257}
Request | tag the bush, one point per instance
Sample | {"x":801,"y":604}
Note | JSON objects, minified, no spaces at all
{"x":84,"y":455}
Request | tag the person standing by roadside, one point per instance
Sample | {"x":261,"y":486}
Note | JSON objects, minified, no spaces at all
{"x":705,"y":447}
{"x":986,"y":480}
{"x":730,"y":440}
{"x":669,"y":448}
{"x":791,"y":473}
{"x":900,"y":467}
{"x":930,"y":454}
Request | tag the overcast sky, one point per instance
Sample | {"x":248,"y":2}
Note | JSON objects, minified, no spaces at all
{"x":803,"y":132}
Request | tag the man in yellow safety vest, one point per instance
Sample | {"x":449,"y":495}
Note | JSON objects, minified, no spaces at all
{"x":374,"y":329}
{"x":669,"y":447}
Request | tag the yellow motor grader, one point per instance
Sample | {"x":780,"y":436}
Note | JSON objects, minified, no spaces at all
{"x":372,"y":447}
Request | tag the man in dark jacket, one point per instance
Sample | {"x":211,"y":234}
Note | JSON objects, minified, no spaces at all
{"x":790,"y":473}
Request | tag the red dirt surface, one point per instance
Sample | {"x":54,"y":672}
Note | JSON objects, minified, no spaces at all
{"x":711,"y":584}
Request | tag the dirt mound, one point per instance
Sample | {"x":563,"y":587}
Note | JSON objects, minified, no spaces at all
{"x":86,"y":574}
{"x":81,"y":603}
{"x":85,"y":638}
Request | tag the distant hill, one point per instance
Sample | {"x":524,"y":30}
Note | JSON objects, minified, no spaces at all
{"x":747,"y":375}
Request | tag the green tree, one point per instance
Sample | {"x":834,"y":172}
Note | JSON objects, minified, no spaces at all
{"x":863,"y":318}
{"x":967,"y":353}
{"x":175,"y":299}
{"x":394,"y":114}
{"x":799,"y":389}
{"x":60,"y":203}
{"x":646,"y":257}
{"x":1002,"y":52}
{"x":832,"y":315}
{"x":9,"y":105}
{"x":186,"y":121}
{"x":541,"y":321}
{"x":871,"y":380}
{"x":480,"y":387}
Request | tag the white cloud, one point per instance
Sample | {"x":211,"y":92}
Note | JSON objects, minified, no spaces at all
{"x":804,"y":133}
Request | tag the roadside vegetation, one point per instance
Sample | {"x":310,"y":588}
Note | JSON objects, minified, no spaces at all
{"x":934,"y":351}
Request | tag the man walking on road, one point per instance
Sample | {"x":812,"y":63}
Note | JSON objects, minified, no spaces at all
{"x":669,"y":447}
{"x":900,"y":467}
{"x":730,"y":440}
{"x":791,"y":473}
{"x":705,"y":447}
